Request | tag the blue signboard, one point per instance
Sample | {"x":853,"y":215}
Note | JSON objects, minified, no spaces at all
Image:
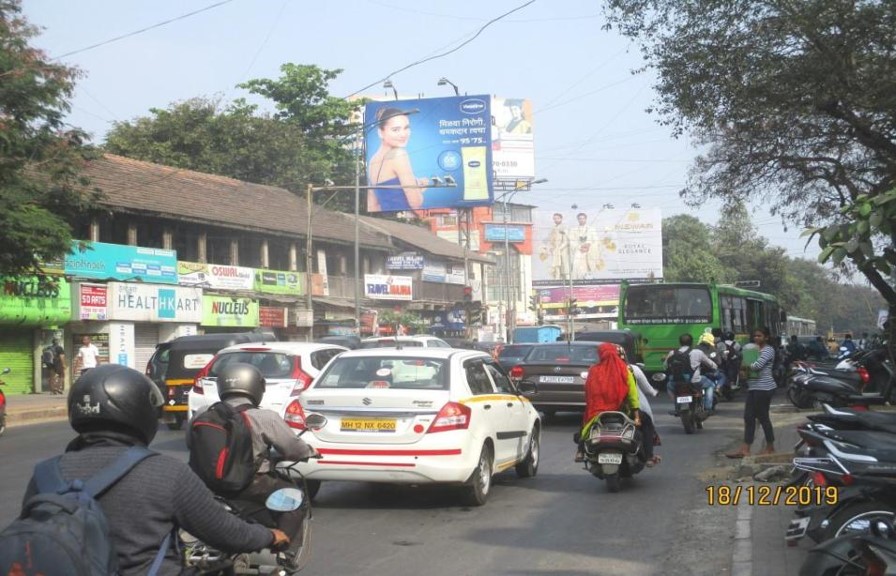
{"x":121,"y":262}
{"x":495,"y":233}
{"x":410,"y":142}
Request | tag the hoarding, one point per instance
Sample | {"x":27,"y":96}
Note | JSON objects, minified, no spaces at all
{"x":408,"y":142}
{"x":35,"y":300}
{"x":229,"y":311}
{"x":513,"y":147}
{"x":92,"y":301}
{"x":121,"y":262}
{"x":215,"y":276}
{"x":148,"y":303}
{"x":597,"y":246}
{"x":405,"y":262}
{"x":278,"y":282}
{"x":381,"y":287}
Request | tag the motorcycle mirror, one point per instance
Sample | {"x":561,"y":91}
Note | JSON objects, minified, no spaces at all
{"x":285,"y":500}
{"x":658,"y":376}
{"x":315,"y":421}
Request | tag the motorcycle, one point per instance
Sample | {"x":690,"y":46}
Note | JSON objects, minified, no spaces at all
{"x":873,"y":552}
{"x":613,"y":449}
{"x":3,"y":404}
{"x":205,"y":559}
{"x":689,"y":405}
{"x":809,"y":386}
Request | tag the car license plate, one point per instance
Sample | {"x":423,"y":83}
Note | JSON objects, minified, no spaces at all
{"x":557,"y":379}
{"x":369,"y":424}
{"x":684,"y":399}
{"x":609,"y":458}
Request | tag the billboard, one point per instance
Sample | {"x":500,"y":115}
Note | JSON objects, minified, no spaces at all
{"x":513,"y":147}
{"x":381,"y":287}
{"x":121,"y":262}
{"x":215,"y":276}
{"x":597,"y":246}
{"x":409,"y":142}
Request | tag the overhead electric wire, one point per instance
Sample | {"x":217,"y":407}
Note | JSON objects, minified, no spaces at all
{"x":142,"y":30}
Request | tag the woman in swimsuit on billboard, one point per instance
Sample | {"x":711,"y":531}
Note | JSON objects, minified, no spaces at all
{"x":391,"y":166}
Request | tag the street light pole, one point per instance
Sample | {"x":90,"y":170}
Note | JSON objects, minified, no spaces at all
{"x":357,"y":254}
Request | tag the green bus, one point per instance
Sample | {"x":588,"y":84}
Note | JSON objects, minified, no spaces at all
{"x":662,"y":312}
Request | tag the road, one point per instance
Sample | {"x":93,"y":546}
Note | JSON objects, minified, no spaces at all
{"x":562,"y":522}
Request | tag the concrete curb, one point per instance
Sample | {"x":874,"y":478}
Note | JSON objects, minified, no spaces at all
{"x":37,"y":415}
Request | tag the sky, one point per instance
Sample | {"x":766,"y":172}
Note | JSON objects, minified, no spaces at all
{"x":594,"y":141}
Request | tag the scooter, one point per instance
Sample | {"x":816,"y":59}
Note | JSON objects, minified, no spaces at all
{"x":871,"y":553}
{"x":207,"y":560}
{"x":3,"y":404}
{"x":613,"y":449}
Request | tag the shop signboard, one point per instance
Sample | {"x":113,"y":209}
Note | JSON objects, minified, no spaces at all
{"x":121,"y":344}
{"x":227,"y":311}
{"x":92,"y":299}
{"x":405,"y":262}
{"x":121,"y":262}
{"x":153,"y":303}
{"x":35,"y":300}
{"x":278,"y":282}
{"x":381,"y":287}
{"x":215,"y":276}
{"x":272,"y":316}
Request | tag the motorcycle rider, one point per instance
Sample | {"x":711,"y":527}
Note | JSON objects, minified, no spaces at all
{"x":610,"y":386}
{"x":648,"y":430}
{"x":241,"y":383}
{"x":113,"y":407}
{"x":698,"y":360}
{"x":710,"y":347}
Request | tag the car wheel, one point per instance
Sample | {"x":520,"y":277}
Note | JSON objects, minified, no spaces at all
{"x":312,"y":487}
{"x":480,"y":483}
{"x":529,"y":466}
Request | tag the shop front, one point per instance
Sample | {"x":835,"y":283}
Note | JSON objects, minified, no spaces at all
{"x":32,"y":311}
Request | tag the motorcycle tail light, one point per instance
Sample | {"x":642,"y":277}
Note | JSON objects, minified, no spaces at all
{"x":864,"y":376}
{"x":847,"y":479}
{"x":819,"y":479}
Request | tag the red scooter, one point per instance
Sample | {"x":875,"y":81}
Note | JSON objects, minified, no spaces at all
{"x":3,"y":405}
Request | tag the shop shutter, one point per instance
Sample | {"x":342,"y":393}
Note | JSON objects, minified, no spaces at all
{"x":146,"y":336}
{"x":16,"y":354}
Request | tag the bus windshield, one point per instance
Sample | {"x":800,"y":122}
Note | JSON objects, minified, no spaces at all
{"x":659,"y":304}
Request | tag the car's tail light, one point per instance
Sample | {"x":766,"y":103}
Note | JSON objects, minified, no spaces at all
{"x":197,"y":381}
{"x":302,"y":378}
{"x":295,"y":415}
{"x":452,"y":416}
{"x":516,"y":372}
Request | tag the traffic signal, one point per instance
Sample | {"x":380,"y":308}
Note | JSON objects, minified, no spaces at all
{"x":468,"y":293}
{"x":533,"y":303}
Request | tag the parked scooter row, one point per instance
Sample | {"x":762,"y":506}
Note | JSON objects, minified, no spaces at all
{"x":846,"y":487}
{"x":861,"y":380}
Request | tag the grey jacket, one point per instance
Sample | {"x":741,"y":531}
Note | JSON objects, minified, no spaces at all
{"x":269,"y":429}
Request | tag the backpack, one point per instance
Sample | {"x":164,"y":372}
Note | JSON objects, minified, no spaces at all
{"x":62,"y":529}
{"x":48,"y":357}
{"x":679,"y":365}
{"x":221,"y":448}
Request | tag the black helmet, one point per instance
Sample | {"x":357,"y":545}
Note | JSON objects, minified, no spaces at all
{"x":112,"y":397}
{"x":241,"y":379}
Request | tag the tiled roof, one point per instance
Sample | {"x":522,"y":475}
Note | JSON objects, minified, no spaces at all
{"x":424,"y":239}
{"x":144,"y":187}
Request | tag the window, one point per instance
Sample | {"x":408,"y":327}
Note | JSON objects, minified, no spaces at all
{"x":385,"y":372}
{"x":502,"y":382}
{"x":320,"y":358}
{"x":477,"y":378}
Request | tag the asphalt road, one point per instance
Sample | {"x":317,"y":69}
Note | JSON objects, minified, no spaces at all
{"x":562,"y":522}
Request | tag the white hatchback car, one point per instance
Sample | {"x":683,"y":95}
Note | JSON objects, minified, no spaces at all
{"x":288,"y":368}
{"x":418,"y":416}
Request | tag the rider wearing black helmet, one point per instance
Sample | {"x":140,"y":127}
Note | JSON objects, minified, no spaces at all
{"x":113,"y":407}
{"x":240,"y":384}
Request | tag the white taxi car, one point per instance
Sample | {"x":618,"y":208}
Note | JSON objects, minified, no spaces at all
{"x":418,"y":416}
{"x":288,"y":368}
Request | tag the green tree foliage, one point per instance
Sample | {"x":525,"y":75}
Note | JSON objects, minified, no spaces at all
{"x":688,"y":254}
{"x":303,"y":141}
{"x":40,"y":158}
{"x":795,"y":103}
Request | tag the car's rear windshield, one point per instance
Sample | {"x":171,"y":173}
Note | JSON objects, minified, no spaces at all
{"x":385,"y":372}
{"x":272,"y":364}
{"x":514,"y":350}
{"x":563,"y":354}
{"x":390,"y":343}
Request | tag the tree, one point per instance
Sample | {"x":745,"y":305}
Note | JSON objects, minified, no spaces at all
{"x":796,"y":105}
{"x":687,"y":252}
{"x":303,"y":141}
{"x":40,"y":190}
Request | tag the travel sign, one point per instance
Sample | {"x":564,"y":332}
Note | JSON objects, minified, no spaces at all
{"x":380,"y":287}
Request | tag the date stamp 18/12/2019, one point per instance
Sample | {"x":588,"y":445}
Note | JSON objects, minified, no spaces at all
{"x":771,"y":495}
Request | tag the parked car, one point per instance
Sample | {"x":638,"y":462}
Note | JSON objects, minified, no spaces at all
{"x":509,"y":355}
{"x":418,"y":416}
{"x":559,"y":371}
{"x":288,"y":368}
{"x":630,"y":341}
{"x":404,"y":341}
{"x":174,"y":366}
